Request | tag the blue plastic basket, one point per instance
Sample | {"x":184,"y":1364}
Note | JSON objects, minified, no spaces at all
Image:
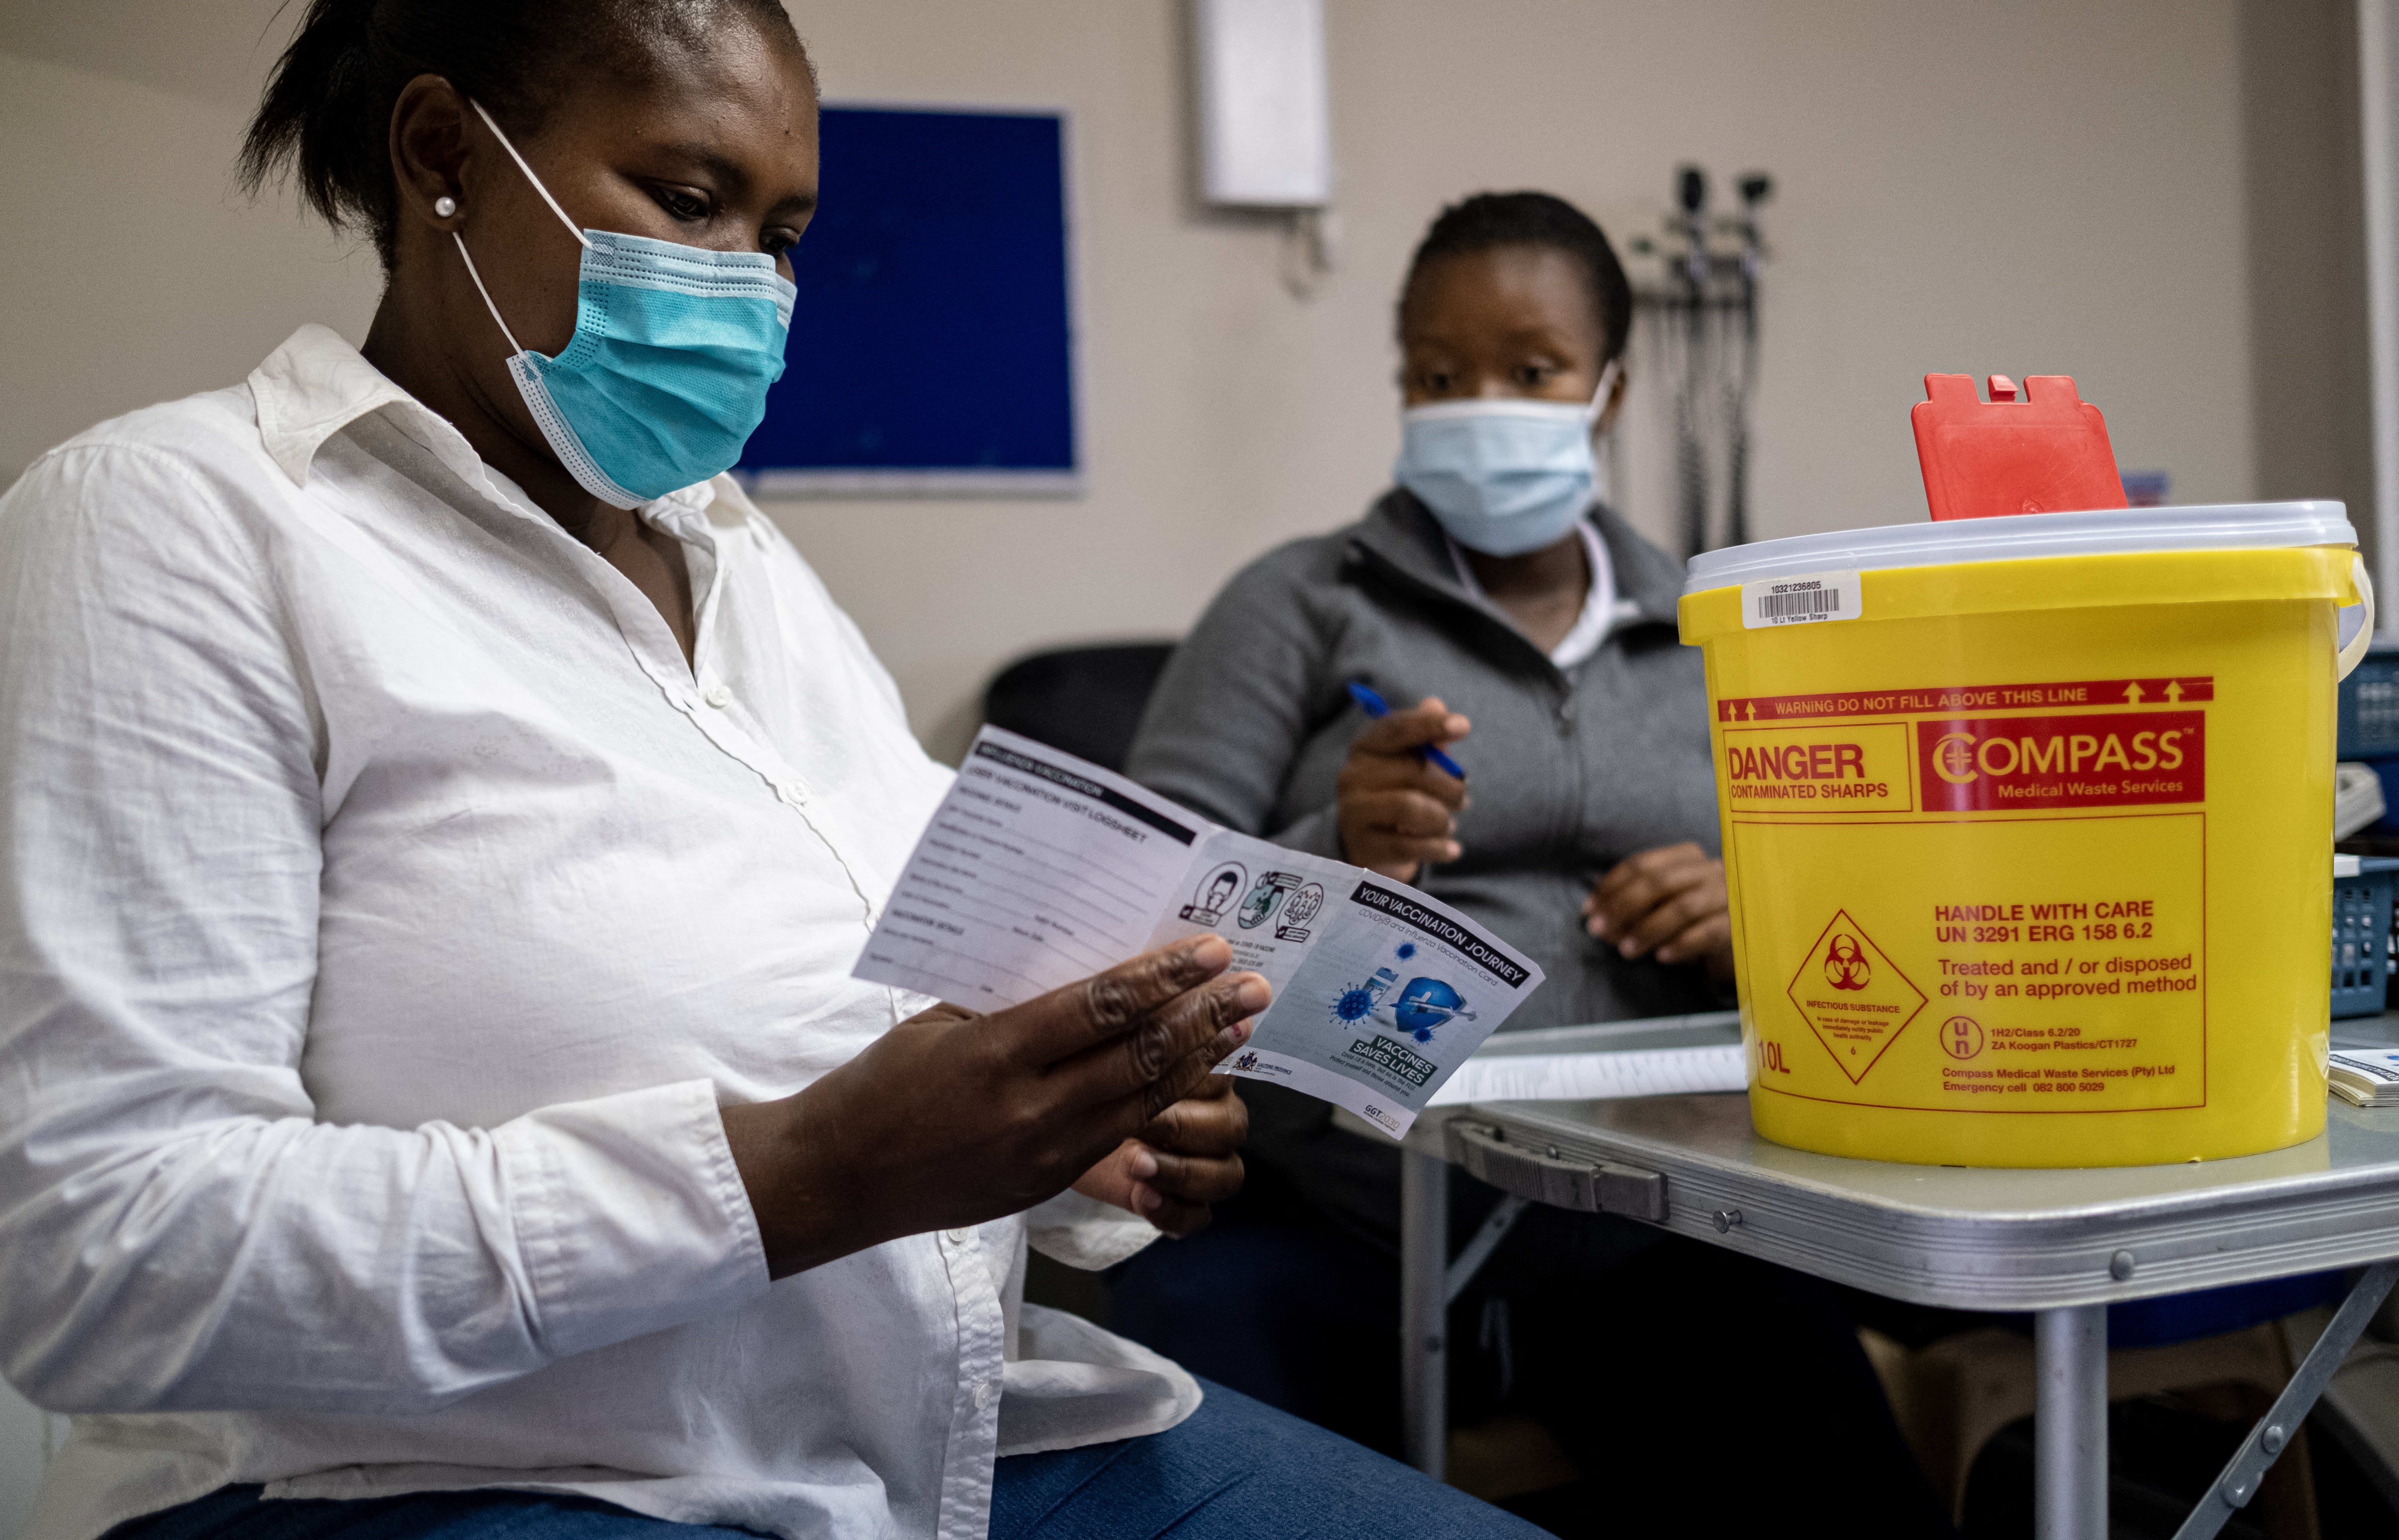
{"x":2360,"y":934}
{"x":2369,"y":705}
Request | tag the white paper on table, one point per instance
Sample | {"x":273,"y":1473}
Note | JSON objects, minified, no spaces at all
{"x":1589,"y":1076}
{"x":2380,"y":1064}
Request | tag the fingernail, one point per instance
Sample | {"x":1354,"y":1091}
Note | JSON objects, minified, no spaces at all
{"x":1147,"y":1200}
{"x":1627,"y":948}
{"x":1597,"y":926}
{"x":1254,"y":995}
{"x":1203,"y":950}
{"x":1234,"y":1036}
{"x":1142,"y":1165}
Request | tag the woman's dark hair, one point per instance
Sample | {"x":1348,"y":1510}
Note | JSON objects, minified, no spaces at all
{"x":327,"y":111}
{"x":1491,"y":220}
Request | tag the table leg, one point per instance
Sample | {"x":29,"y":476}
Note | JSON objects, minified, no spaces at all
{"x":1424,"y":1315}
{"x":2069,"y":1424}
{"x":2249,"y":1463}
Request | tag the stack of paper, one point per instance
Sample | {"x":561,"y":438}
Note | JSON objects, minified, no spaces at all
{"x":1587,"y":1076}
{"x":2367,"y":1076}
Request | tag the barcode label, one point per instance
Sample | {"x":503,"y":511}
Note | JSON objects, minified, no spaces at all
{"x":1813,"y":602}
{"x":1804,"y":600}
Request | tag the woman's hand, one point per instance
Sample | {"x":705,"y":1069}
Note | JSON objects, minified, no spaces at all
{"x":1187,"y":1159}
{"x":1671,"y":902}
{"x":1396,"y":811}
{"x":952,"y":1118}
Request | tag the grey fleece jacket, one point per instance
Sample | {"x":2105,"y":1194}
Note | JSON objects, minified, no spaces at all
{"x":1568,"y":772}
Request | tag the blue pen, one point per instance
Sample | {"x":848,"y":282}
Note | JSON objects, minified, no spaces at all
{"x":1374,"y":706}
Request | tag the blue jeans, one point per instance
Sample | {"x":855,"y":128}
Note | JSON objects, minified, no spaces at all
{"x":1236,"y":1469}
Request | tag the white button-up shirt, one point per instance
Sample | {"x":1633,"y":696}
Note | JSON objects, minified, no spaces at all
{"x":388,"y":908}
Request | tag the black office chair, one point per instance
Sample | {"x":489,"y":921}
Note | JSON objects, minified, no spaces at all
{"x":1086,"y":700}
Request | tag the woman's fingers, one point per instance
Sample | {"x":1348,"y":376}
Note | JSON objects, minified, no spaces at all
{"x":1173,"y":1193}
{"x":1108,"y":1006}
{"x":1193,"y":1179}
{"x":1389,"y":756}
{"x":1671,"y":918}
{"x":1629,"y":876}
{"x":1185,"y":1160}
{"x":1706,"y":939}
{"x":1176,"y":1192}
{"x":1393,"y":830}
{"x":1680,"y":904}
{"x":1162,"y":1057}
{"x":1176,"y":1219}
{"x":1409,"y":815}
{"x":1111,"y":1179}
{"x":1396,"y":857}
{"x":1637,"y":884}
{"x":1210,"y":1121}
{"x":1408,"y":771}
{"x":1188,"y":1074}
{"x":1396,"y":809}
{"x":1429,"y":723}
{"x":951,"y":1119}
{"x":1651,"y":899}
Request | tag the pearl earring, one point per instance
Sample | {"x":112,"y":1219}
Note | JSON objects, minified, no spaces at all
{"x":445,"y":206}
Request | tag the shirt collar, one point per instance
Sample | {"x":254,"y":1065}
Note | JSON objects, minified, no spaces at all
{"x":317,"y":384}
{"x":312,"y":387}
{"x":1404,"y":533}
{"x":1600,"y":608}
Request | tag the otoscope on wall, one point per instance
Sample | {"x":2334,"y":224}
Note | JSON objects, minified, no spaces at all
{"x":1705,"y":307}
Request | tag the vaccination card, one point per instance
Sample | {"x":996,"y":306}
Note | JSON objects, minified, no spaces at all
{"x":1040,"y":869}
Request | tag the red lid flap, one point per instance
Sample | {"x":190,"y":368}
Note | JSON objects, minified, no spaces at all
{"x":2046,"y":453}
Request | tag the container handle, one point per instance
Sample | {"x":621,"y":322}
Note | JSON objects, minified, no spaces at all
{"x":2352,"y":650}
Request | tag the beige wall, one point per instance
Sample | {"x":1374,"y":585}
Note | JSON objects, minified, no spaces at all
{"x":135,"y":272}
{"x":2003,"y":185}
{"x":2307,"y":245}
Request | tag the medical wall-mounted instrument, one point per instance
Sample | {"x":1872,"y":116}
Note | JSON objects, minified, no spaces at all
{"x":1700,"y":317}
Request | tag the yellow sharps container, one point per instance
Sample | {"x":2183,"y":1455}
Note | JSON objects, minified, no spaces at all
{"x":2027,"y":824}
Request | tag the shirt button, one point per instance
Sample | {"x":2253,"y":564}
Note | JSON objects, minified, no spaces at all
{"x":958,"y":1237}
{"x":792,"y":793}
{"x":717,"y":696}
{"x":983,"y":1394}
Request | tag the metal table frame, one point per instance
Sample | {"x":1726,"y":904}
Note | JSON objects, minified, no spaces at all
{"x":2060,"y":1244}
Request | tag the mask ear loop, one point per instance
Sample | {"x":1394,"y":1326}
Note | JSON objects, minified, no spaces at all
{"x":513,"y":348}
{"x":572,"y":228}
{"x":1607,"y":378}
{"x":580,"y":237}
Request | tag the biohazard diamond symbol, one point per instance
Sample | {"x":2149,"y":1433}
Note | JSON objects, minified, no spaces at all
{"x":1853,"y":996}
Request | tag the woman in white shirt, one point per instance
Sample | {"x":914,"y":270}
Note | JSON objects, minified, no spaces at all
{"x":441,"y":815}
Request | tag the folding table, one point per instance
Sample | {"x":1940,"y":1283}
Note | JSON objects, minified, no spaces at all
{"x":2060,"y":1244}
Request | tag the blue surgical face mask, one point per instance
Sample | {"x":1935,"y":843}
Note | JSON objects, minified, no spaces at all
{"x":666,"y":376}
{"x":1503,"y":476}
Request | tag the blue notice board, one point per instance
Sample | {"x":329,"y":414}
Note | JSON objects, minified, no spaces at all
{"x":931,"y":349}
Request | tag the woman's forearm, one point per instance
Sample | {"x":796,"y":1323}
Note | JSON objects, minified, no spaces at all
{"x":253,"y":1262}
